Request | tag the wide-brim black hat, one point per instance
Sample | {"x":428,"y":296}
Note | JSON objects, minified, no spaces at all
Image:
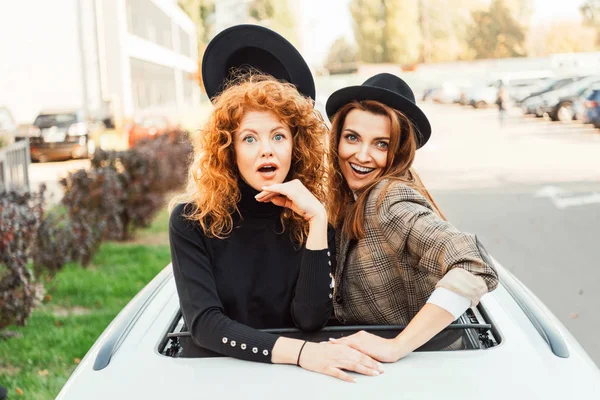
{"x":389,"y":90}
{"x":258,"y":47}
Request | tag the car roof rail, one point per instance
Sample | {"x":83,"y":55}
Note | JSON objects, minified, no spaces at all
{"x":133,"y":312}
{"x":536,"y":314}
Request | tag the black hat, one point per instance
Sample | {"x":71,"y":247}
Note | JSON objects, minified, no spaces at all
{"x":258,"y":47}
{"x":389,"y":90}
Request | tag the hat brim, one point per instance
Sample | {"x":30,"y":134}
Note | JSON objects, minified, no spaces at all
{"x":346,"y":95}
{"x":260,"y":48}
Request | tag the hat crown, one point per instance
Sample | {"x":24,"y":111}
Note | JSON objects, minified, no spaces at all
{"x":392,"y":83}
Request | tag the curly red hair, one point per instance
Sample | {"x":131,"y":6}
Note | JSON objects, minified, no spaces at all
{"x":213,"y":176}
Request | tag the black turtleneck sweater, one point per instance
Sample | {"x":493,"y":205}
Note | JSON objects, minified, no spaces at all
{"x":253,"y":279}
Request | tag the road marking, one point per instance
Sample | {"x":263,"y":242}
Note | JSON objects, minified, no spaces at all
{"x":563,"y":199}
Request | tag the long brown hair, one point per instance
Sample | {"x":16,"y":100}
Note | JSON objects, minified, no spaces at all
{"x":213,"y":175}
{"x":343,"y":211}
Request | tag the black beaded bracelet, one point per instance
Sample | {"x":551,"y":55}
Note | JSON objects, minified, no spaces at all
{"x":300,"y":353}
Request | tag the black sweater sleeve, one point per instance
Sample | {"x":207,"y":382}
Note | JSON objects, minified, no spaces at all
{"x":200,"y":304}
{"x":312,"y":305}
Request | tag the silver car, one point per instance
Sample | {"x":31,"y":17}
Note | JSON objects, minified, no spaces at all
{"x":517,"y":350}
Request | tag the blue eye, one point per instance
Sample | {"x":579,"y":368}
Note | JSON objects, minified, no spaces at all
{"x":382,"y":145}
{"x":278,"y":137}
{"x":249,"y":139}
{"x":351,"y":138}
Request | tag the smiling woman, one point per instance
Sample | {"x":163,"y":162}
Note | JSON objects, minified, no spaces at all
{"x":400,"y":262}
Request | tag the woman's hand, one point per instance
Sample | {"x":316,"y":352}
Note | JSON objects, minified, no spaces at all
{"x":295,"y":196}
{"x":332,"y":359}
{"x":384,"y":350}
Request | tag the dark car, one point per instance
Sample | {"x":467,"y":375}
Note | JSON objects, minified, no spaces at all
{"x":62,"y":135}
{"x":554,"y":85}
{"x":566,"y":109}
{"x":592,"y":108}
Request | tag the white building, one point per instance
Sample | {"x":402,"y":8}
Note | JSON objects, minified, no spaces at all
{"x":107,"y":57}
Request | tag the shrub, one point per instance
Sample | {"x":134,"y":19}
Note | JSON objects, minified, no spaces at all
{"x":124,"y":190}
{"x":20,"y":217}
{"x":94,"y":201}
{"x":173,"y":152}
{"x":137,"y":171}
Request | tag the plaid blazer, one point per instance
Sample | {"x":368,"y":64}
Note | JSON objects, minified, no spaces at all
{"x":408,"y":250}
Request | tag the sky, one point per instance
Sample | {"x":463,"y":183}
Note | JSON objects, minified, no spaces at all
{"x":326,"y":20}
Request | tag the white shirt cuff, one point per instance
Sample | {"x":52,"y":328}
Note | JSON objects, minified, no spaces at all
{"x":452,"y":302}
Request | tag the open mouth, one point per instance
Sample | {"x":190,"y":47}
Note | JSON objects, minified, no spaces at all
{"x":267,"y":169}
{"x":361,"y":170}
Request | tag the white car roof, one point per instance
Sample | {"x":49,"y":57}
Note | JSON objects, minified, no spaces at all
{"x":522,"y":366}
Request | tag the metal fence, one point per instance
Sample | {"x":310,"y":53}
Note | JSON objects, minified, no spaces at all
{"x":14,"y":166}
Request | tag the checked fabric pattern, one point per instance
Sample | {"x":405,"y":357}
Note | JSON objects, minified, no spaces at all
{"x":408,"y":250}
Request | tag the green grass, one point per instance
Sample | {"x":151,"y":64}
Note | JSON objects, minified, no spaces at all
{"x":81,"y":303}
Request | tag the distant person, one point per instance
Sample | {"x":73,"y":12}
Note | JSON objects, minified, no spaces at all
{"x":400,"y":262}
{"x":501,"y":102}
{"x":250,"y":244}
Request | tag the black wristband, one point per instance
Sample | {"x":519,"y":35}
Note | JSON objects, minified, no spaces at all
{"x":300,"y":353}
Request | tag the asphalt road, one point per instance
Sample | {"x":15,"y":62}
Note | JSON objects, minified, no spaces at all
{"x":530,"y":190}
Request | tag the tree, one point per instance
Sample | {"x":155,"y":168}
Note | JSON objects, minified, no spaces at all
{"x":495,"y":33}
{"x":590,"y":11}
{"x":401,"y":32}
{"x":342,"y":57}
{"x":561,"y":37}
{"x":367,"y":18}
{"x":201,"y":12}
{"x":386,"y":30}
{"x":275,"y":15}
{"x":444,"y":29}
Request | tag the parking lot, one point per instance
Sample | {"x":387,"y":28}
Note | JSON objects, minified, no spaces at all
{"x":531,"y":192}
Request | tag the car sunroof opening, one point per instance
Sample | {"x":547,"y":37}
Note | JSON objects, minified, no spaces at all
{"x":474,"y":327}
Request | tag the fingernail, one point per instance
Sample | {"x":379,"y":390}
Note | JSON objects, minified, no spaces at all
{"x":375,"y":372}
{"x":332,"y":339}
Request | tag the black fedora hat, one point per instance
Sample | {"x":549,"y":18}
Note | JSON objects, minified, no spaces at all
{"x":258,"y":47}
{"x":389,"y":90}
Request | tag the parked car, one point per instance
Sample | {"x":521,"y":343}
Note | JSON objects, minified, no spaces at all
{"x":517,"y":350}
{"x":8,"y":127}
{"x":572,"y":107}
{"x":61,"y":134}
{"x":148,"y":127}
{"x":517,"y":85}
{"x":557,"y":101}
{"x":447,"y":93}
{"x":530,"y":104}
{"x":592,"y":108}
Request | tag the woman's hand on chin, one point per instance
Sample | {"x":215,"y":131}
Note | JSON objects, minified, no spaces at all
{"x":380,"y":349}
{"x":335,"y":359}
{"x":295,"y":196}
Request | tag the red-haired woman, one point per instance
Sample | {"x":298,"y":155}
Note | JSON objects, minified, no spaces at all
{"x":249,"y":238}
{"x":399,"y":261}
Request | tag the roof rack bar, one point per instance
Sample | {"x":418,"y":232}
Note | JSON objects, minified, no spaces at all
{"x":346,"y":328}
{"x":538,"y":317}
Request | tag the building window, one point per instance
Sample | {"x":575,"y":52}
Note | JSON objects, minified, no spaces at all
{"x":153,"y":85}
{"x":189,"y":85}
{"x":147,"y":21}
{"x":185,"y":47}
